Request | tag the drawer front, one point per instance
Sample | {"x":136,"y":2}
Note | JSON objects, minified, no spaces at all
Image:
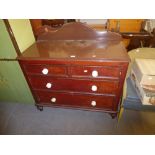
{"x":46,"y":70}
{"x":92,"y":71}
{"x":75,"y":85}
{"x":76,"y":100}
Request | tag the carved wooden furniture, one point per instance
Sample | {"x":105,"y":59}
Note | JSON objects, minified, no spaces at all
{"x":53,"y":22}
{"x":141,"y":39}
{"x":125,"y":26}
{"x":39,"y":25}
{"x":76,"y":67}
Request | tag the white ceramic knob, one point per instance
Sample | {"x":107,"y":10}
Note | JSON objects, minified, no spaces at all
{"x":45,"y":71}
{"x":95,"y":73}
{"x":93,"y":103}
{"x":48,"y":85}
{"x":149,"y":78}
{"x":94,"y":88}
{"x":53,"y":99}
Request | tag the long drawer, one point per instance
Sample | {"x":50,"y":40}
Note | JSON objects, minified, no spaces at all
{"x":75,"y":85}
{"x":75,"y":100}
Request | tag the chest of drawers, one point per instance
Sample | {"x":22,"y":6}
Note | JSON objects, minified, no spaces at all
{"x":81,"y":69}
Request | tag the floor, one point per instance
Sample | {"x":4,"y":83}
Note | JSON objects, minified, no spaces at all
{"x":19,"y":119}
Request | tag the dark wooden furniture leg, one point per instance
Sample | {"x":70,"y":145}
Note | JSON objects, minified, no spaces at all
{"x":39,"y":107}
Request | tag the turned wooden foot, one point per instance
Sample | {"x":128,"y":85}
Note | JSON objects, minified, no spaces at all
{"x":39,"y":107}
{"x":113,"y":115}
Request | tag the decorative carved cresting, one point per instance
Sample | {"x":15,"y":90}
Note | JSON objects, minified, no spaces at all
{"x":79,"y":31}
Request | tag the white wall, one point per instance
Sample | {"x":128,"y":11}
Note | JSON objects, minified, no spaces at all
{"x":93,"y":21}
{"x":23,"y":33}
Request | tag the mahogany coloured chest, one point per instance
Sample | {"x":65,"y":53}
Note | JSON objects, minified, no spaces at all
{"x":76,"y":67}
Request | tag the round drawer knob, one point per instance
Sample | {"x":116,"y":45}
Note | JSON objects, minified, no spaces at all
{"x":53,"y":99}
{"x":45,"y":71}
{"x":94,"y":88}
{"x":95,"y":73}
{"x":93,"y":103}
{"x":48,"y":85}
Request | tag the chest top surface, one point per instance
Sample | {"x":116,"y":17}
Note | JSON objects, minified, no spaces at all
{"x":76,"y":41}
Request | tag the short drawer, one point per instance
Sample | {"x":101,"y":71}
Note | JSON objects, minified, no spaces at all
{"x":75,"y":100}
{"x":46,"y":70}
{"x":95,"y":72}
{"x":75,"y":85}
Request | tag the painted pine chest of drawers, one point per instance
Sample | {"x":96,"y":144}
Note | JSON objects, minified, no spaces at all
{"x":76,"y":67}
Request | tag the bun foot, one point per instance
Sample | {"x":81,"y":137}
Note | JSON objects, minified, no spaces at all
{"x":113,"y":115}
{"x":40,"y":108}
